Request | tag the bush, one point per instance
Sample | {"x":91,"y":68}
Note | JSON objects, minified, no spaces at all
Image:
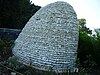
{"x":6,"y":49}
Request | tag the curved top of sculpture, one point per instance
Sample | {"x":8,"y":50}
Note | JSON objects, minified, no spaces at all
{"x":49,"y":39}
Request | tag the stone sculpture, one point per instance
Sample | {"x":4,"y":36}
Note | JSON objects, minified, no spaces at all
{"x":49,"y":40}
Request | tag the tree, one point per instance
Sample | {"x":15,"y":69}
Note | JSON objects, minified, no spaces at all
{"x":85,"y":45}
{"x":96,"y":53}
{"x":83,"y":28}
{"x":15,"y":13}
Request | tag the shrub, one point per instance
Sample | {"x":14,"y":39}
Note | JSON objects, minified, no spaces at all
{"x":6,"y":49}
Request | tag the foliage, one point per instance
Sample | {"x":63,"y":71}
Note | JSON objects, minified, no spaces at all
{"x":96,"y":52}
{"x":5,"y":49}
{"x":88,"y":47}
{"x":15,"y":13}
{"x":82,"y":27}
{"x":14,"y":64}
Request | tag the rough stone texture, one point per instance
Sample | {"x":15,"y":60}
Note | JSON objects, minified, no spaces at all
{"x":50,"y":38}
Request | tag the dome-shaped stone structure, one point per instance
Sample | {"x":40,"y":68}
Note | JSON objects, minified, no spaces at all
{"x":49,"y":40}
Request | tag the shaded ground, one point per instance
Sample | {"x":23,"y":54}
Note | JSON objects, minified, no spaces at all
{"x":5,"y":71}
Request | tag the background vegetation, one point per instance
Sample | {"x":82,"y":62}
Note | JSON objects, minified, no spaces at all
{"x":15,"y":13}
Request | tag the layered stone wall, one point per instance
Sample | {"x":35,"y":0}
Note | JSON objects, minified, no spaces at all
{"x":49,"y":40}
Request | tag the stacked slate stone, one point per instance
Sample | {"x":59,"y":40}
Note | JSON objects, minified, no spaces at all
{"x":50,"y":38}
